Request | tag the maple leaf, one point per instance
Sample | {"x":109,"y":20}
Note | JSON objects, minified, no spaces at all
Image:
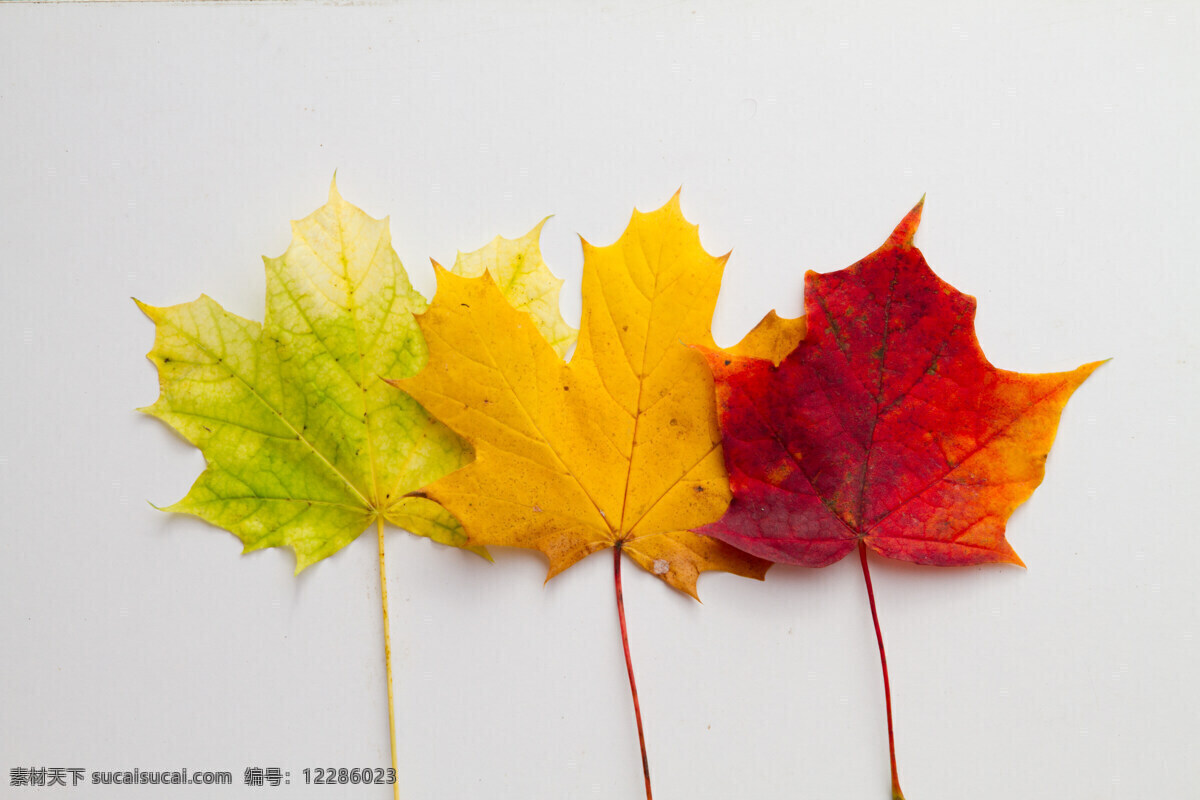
{"x":305,"y":445}
{"x":885,"y":428}
{"x":620,"y":447}
{"x":886,"y":425}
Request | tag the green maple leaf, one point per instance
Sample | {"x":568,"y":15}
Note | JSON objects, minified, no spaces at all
{"x":305,"y":444}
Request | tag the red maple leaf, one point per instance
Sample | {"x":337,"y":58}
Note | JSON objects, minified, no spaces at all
{"x":885,"y":428}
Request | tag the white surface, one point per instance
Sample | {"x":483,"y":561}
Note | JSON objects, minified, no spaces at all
{"x":159,"y":150}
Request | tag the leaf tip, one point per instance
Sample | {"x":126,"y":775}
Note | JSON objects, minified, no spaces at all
{"x":441,"y":276}
{"x":1005,"y":554}
{"x":1083,"y":372}
{"x":147,"y":309}
{"x":903,"y":235}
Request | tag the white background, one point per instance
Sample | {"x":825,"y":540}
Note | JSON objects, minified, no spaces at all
{"x":158,"y":150}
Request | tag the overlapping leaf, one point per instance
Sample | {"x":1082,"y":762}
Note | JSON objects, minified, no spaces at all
{"x":526,"y":282}
{"x":305,"y":444}
{"x":618,"y":448}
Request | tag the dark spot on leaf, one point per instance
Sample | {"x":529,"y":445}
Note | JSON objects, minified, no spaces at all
{"x":728,"y":362}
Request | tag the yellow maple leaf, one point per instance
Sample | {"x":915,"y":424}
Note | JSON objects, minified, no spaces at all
{"x":618,"y":448}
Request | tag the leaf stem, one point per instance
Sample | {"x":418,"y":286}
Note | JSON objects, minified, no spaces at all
{"x":387,"y":656}
{"x":637,"y":709}
{"x":887,"y":689}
